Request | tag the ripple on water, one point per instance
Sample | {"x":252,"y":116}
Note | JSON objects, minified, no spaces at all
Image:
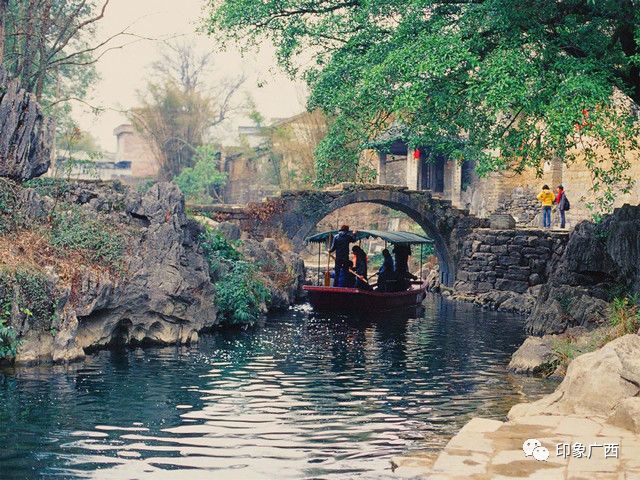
{"x":303,"y":397}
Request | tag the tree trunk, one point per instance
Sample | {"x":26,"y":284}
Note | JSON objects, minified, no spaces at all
{"x":3,"y":12}
{"x":29,"y":49}
{"x":42,"y":48}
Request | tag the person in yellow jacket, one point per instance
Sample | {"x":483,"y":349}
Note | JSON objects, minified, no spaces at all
{"x":546,"y":198}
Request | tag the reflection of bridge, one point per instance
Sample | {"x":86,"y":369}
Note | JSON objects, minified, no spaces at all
{"x":296,"y":213}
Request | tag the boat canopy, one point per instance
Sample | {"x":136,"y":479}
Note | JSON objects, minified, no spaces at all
{"x":395,"y":238}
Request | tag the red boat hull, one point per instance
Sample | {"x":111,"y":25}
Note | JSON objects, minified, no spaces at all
{"x":353,"y":300}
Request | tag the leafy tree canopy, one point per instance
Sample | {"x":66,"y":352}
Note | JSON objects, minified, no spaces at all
{"x":530,"y":79}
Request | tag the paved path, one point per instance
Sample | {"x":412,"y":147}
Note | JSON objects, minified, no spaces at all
{"x":493,"y":450}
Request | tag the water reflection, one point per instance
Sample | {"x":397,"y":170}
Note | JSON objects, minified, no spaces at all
{"x":303,"y":397}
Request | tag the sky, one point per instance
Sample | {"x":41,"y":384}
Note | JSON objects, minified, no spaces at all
{"x":124,"y":72}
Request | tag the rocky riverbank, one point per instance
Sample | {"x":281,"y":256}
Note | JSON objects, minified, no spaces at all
{"x":90,"y":265}
{"x":585,"y":433}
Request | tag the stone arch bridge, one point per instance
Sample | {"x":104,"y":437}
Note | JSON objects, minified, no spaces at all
{"x":296,"y":214}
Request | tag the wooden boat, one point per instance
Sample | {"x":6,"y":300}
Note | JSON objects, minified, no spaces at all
{"x":354,"y":300}
{"x":326,"y":298}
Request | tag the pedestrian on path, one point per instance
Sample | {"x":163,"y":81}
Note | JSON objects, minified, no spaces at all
{"x":546,"y":198}
{"x":563,"y":205}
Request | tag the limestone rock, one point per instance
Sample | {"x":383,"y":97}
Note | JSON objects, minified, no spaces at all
{"x":229,"y":230}
{"x":559,"y":307}
{"x":26,"y":135}
{"x":502,"y":221}
{"x":627,"y":415}
{"x":595,"y":384}
{"x":535,"y":355}
{"x":283,"y":271}
{"x":596,"y":258}
{"x":163,"y":295}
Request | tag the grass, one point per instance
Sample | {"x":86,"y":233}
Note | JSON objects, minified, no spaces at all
{"x":72,"y":229}
{"x":624,"y":319}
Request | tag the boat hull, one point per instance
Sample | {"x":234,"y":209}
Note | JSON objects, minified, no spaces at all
{"x":353,"y":300}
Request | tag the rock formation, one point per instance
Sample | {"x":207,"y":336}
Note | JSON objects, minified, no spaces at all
{"x":596,"y":383}
{"x":26,"y":135}
{"x":160,"y":291}
{"x":163,"y":294}
{"x":599,"y":262}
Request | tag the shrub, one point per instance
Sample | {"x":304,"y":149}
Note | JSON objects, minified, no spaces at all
{"x":71,"y":229}
{"x":216,"y":246}
{"x":201,"y":182}
{"x":240,"y":292}
{"x":48,"y":186}
{"x":8,"y":336}
{"x":24,"y":295}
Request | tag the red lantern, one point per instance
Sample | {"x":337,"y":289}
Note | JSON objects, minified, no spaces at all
{"x":416,"y":154}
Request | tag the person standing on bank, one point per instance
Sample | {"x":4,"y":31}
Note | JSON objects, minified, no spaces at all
{"x":340,"y":246}
{"x":563,"y":205}
{"x":546,"y":198}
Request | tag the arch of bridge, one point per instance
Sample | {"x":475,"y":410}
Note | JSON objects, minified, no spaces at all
{"x":304,"y":210}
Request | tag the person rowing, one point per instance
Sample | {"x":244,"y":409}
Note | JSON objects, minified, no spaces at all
{"x":360,"y":268}
{"x":340,"y":246}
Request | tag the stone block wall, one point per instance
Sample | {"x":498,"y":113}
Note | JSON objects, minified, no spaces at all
{"x":507,"y":260}
{"x":523,"y":205}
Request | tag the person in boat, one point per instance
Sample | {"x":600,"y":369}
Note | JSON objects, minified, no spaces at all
{"x":386,"y":273}
{"x":347,"y":277}
{"x":360,"y":267}
{"x":403,"y":275}
{"x":340,"y":246}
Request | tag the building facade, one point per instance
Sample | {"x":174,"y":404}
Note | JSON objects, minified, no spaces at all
{"x":504,"y":192}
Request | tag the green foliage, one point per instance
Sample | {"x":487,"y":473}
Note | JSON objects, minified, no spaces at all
{"x":24,"y":296}
{"x":216,"y":247}
{"x":201,"y":182}
{"x":8,"y":206}
{"x":241,"y":295}
{"x":48,"y":50}
{"x":73,"y":229}
{"x":240,"y":292}
{"x":145,"y":186}
{"x":531,"y":80}
{"x":567,"y":349}
{"x":8,"y":336}
{"x":565,"y":301}
{"x":48,"y":186}
{"x":624,"y":319}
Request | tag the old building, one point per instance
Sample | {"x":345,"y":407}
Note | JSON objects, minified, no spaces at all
{"x":273,"y":158}
{"x":133,"y":147}
{"x":397,"y":164}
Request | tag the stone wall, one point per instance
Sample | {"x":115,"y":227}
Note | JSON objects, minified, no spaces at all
{"x":505,"y":268}
{"x":522,"y":204}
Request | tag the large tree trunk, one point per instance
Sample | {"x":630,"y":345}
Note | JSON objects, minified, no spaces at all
{"x":28,"y":53}
{"x":3,"y":12}
{"x":42,"y":48}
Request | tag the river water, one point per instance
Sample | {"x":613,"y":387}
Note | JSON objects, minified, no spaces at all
{"x":305,"y":396}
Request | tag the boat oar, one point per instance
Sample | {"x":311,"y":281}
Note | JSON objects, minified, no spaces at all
{"x":365,"y":280}
{"x":327,"y":273}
